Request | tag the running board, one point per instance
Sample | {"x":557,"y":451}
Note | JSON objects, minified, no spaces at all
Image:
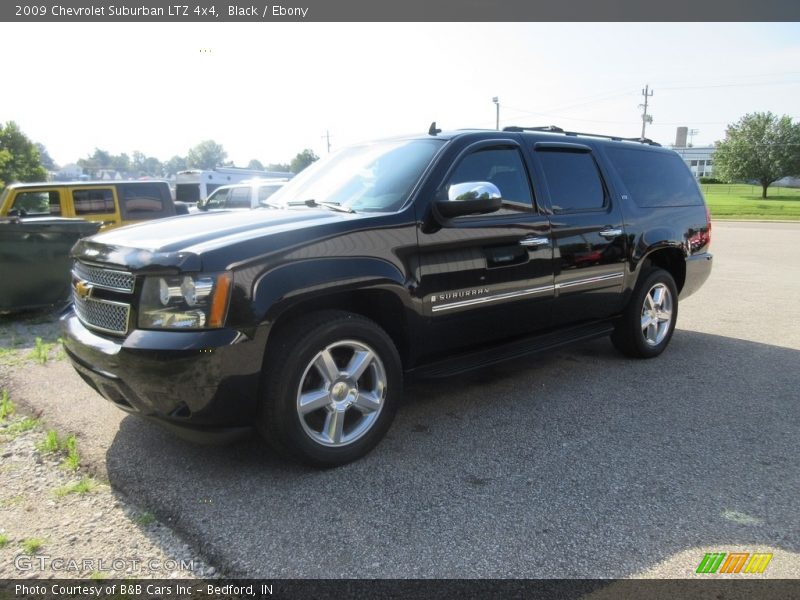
{"x":493,"y":355}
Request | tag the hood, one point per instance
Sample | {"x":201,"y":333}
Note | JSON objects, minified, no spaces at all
{"x":180,"y":241}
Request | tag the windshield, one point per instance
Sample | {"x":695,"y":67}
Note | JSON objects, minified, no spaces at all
{"x":372,"y":178}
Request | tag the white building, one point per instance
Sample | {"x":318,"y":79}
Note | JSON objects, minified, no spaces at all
{"x":700,"y":159}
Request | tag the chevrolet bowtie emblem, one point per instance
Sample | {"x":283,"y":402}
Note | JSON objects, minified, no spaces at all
{"x":83,"y":289}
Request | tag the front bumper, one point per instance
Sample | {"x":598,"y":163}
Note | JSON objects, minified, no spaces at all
{"x":204,"y":383}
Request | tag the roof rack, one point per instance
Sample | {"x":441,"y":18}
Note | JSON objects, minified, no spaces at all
{"x":554,"y":129}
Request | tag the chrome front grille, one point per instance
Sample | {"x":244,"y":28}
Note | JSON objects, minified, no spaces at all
{"x":94,"y":296}
{"x":104,"y":315}
{"x":110,"y":279}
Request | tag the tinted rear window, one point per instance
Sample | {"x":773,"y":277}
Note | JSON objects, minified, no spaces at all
{"x":187,"y":192}
{"x":655,"y":178}
{"x":144,"y":201}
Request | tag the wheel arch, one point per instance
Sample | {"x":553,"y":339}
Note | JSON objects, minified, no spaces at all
{"x":369,"y":287}
{"x":380,"y":304}
{"x":670,"y":258}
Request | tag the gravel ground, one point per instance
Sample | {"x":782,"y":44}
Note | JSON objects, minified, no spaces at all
{"x":48,"y":528}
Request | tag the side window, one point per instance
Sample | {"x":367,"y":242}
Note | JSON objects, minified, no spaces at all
{"x":140,"y":201}
{"x":239,"y":198}
{"x":38,"y":203}
{"x":217,"y":198}
{"x":95,"y":201}
{"x":265,"y":191}
{"x":504,"y":168}
{"x":573,"y":179}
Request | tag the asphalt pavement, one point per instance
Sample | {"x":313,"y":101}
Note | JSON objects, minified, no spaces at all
{"x":576,"y":463}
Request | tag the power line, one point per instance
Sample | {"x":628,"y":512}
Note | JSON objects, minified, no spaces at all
{"x":725,"y":85}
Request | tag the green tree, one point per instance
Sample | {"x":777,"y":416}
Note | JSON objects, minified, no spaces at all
{"x":19,"y":157}
{"x":5,"y":160}
{"x":153,"y":167}
{"x":175,"y":164}
{"x":255,"y":164}
{"x":278,"y":167}
{"x":760,"y":146}
{"x":137,"y":159}
{"x":121,"y":162}
{"x":206,"y":155}
{"x":302,"y":160}
{"x":146,"y":165}
{"x":45,"y":158}
{"x":100,"y":159}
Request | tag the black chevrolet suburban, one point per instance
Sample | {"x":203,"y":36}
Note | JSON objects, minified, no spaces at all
{"x":421,"y":256}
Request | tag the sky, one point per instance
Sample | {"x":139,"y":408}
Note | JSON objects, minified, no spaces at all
{"x":267,"y":91}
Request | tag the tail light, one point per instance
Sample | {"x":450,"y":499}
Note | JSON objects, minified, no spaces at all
{"x":708,"y":220}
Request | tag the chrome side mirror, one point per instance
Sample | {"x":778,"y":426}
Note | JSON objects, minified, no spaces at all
{"x":469,"y":198}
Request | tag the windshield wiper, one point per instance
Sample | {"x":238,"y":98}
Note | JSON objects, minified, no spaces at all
{"x":332,"y":205}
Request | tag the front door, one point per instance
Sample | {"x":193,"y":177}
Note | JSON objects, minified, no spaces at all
{"x":487,"y":277}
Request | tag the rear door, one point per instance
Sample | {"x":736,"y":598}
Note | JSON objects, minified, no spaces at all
{"x":487,"y":277}
{"x":587,"y":231}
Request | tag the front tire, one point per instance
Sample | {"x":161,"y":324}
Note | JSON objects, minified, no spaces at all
{"x":647,"y":324}
{"x":332,"y":383}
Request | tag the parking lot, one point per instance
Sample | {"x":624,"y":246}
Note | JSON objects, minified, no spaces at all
{"x":577,"y":463}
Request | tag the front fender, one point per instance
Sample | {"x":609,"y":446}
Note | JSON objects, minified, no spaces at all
{"x":294,"y":281}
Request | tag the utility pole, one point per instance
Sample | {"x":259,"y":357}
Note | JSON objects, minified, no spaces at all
{"x":647,"y":93}
{"x":327,"y":138}
{"x":496,"y":101}
{"x":692,"y":133}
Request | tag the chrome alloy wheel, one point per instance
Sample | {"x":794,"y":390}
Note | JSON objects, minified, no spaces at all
{"x":656,"y":314}
{"x":341,"y":393}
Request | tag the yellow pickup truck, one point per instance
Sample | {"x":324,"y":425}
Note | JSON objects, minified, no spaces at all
{"x":111,"y":203}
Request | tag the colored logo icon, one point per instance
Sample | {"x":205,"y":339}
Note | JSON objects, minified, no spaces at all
{"x":734,"y":562}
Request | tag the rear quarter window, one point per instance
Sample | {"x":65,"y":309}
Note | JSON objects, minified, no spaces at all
{"x":655,"y":179}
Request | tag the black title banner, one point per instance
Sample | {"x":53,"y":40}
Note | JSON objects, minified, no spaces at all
{"x":378,"y":589}
{"x":407,"y":10}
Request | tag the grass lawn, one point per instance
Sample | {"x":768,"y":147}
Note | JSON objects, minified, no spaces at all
{"x":742,"y":201}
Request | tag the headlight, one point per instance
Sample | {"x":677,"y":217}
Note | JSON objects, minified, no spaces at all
{"x":198,"y":301}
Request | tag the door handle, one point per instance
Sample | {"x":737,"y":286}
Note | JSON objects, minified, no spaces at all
{"x":534,"y":242}
{"x":611,"y":233}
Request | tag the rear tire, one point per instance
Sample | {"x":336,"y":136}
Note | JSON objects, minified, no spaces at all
{"x":331,"y":387}
{"x":647,"y":324}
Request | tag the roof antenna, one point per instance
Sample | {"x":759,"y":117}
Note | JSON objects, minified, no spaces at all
{"x":432,"y":130}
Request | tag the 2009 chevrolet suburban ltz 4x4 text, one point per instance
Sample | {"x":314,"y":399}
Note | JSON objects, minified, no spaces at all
{"x":421,"y":256}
